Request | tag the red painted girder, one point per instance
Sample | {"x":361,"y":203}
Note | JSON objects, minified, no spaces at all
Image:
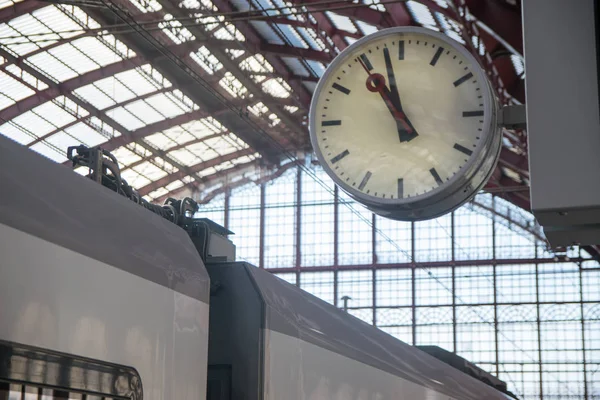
{"x":85,"y":105}
{"x":399,"y":14}
{"x":22,"y":8}
{"x":324,"y":24}
{"x":136,"y":135}
{"x":431,"y":264}
{"x":53,"y":91}
{"x":193,"y":170}
{"x":207,"y":179}
{"x":253,"y":37}
{"x":244,"y":181}
{"x":274,"y":49}
{"x":502,"y":18}
{"x":308,"y":24}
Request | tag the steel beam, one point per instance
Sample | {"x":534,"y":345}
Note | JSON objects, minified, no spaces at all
{"x":156,"y":127}
{"x":18,"y":9}
{"x":192,"y":170}
{"x":433,"y":264}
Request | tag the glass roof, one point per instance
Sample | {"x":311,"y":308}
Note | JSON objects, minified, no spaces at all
{"x":69,"y":77}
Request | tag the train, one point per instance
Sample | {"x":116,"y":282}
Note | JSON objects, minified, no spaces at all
{"x":106,"y":296}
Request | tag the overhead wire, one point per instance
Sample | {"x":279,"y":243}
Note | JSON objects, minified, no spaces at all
{"x":180,"y":63}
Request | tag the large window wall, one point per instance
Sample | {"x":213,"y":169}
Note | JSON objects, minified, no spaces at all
{"x":479,"y":282}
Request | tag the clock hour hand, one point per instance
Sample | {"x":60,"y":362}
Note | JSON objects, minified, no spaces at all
{"x":406,"y":131}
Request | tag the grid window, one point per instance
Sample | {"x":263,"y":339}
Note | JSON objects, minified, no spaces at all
{"x":394,"y":317}
{"x":473,"y":233}
{"x":288,"y":277}
{"x":280,"y":222}
{"x":517,"y":342}
{"x":522,"y":379}
{"x":244,"y":221}
{"x":394,"y":287}
{"x":474,"y":285}
{"x":403,"y":333}
{"x":358,"y":285}
{"x":393,"y":241}
{"x":562,"y":381}
{"x":476,"y":342}
{"x":516,"y":283}
{"x":513,"y":243}
{"x":559,"y":282}
{"x":317,"y":221}
{"x":215,"y":210}
{"x":318,"y":283}
{"x":433,"y":239}
{"x":433,"y":286}
{"x":591,"y":313}
{"x":354,"y":233}
{"x":590,"y":281}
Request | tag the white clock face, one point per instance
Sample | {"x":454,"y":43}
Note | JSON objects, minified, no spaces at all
{"x":400,"y":115}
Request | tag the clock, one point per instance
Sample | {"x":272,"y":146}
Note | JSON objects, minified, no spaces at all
{"x":406,"y":122}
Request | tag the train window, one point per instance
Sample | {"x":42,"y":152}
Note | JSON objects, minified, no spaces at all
{"x":218,"y":385}
{"x":32,"y":373}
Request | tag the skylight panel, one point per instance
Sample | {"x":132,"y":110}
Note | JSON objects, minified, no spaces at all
{"x":150,"y":171}
{"x":5,"y":101}
{"x":167,"y":108}
{"x":86,"y":134}
{"x":221,"y":145}
{"x":158,"y":193}
{"x":115,"y":89}
{"x":366,"y":28}
{"x":292,"y":36}
{"x":75,"y":58}
{"x":202,"y":150}
{"x":125,"y":118}
{"x":142,"y":109}
{"x":421,"y":14}
{"x":290,"y":109}
{"x":147,"y":5}
{"x":26,"y":77}
{"x":277,"y":88}
{"x":28,"y":25}
{"x":206,"y":60}
{"x":13,"y":88}
{"x":311,"y":37}
{"x":125,"y":156}
{"x":518,"y":64}
{"x":174,"y":185}
{"x":54,"y":114}
{"x":441,"y":3}
{"x":296,"y":66}
{"x":49,"y":151}
{"x":223,"y":34}
{"x":137,"y":81}
{"x":185,"y":157}
{"x":181,"y":100}
{"x":175,"y":30}
{"x":79,"y":15}
{"x":62,"y":140}
{"x":52,"y":67}
{"x":266,"y":32}
{"x":235,"y":53}
{"x":256,"y":63}
{"x":342,"y":22}
{"x":161,"y":141}
{"x":164,"y":165}
{"x":95,"y":96}
{"x":8,"y":3}
{"x":57,"y":21}
{"x":96,"y":50}
{"x":232,"y":85}
{"x":16,"y":133}
{"x":258,"y":109}
{"x":34,"y":123}
{"x":197,"y":128}
{"x":134,"y":179}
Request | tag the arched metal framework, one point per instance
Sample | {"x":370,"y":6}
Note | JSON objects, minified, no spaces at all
{"x":244,"y":71}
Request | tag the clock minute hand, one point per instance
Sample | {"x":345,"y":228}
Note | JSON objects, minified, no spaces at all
{"x":395,"y":95}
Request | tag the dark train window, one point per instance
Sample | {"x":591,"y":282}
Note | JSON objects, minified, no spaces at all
{"x":32,"y":373}
{"x":218,"y":385}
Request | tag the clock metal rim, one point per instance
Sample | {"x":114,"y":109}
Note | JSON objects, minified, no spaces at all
{"x":464,"y":174}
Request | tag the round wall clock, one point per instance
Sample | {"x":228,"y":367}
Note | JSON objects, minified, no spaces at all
{"x":405,"y":121}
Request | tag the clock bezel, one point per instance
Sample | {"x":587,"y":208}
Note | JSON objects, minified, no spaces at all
{"x":461,"y":178}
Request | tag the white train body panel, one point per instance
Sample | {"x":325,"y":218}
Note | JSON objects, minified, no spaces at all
{"x":89,"y":274}
{"x":58,"y":299}
{"x":296,"y":369}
